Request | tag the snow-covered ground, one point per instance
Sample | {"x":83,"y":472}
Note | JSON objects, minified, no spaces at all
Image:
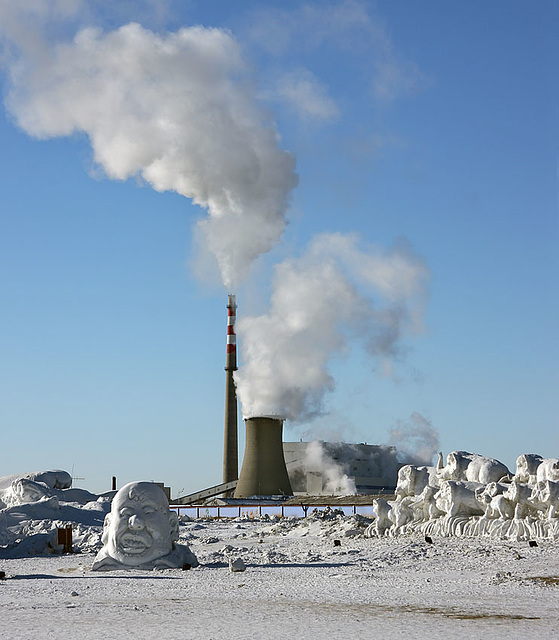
{"x":299,"y":583}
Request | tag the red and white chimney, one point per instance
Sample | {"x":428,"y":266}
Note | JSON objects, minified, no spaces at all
{"x":230,"y":447}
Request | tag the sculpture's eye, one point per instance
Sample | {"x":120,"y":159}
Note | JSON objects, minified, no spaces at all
{"x":126,"y":512}
{"x":148,"y":509}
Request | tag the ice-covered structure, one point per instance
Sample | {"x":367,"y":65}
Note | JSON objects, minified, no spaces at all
{"x":471,"y":467}
{"x":473,"y":495}
{"x":33,"y":506}
{"x":55,"y":479}
{"x":31,"y":487}
{"x":140,"y":532}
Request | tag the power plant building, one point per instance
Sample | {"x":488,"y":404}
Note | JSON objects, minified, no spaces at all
{"x":274,"y":468}
{"x":327,"y":468}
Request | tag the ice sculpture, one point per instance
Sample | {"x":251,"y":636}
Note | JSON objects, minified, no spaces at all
{"x":548,"y":470}
{"x":22,"y":491}
{"x":140,"y":532}
{"x":411,"y":480}
{"x":382,"y":522}
{"x":461,"y":465}
{"x":518,"y":495}
{"x":57,"y":479}
{"x":526,"y":467}
{"x":31,"y":487}
{"x":545,"y":498}
{"x":492,"y":496}
{"x":38,"y":486}
{"x":474,"y":495}
{"x":458,"y":498}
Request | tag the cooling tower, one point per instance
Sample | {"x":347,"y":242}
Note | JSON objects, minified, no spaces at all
{"x":230,"y":446}
{"x":263,"y":472}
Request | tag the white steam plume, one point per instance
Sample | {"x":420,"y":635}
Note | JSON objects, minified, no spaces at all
{"x":334,"y":478}
{"x":340,"y":464}
{"x":336,"y":291}
{"x":416,"y":440}
{"x":176,"y":110}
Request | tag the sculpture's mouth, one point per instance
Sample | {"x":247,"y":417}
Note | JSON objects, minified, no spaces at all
{"x":133,"y":544}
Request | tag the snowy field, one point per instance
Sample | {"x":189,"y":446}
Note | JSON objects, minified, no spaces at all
{"x":298,"y":583}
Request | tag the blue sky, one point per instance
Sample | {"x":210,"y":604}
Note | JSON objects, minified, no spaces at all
{"x":435,"y":122}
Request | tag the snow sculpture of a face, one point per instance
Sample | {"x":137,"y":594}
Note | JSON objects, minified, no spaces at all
{"x":140,"y":528}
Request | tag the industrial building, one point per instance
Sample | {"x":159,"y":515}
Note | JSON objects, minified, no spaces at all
{"x":274,"y":468}
{"x":339,"y":468}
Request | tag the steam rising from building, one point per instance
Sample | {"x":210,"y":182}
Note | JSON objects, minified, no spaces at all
{"x":321,"y":468}
{"x":339,"y":290}
{"x":178,"y":112}
{"x":175,"y":110}
{"x":416,"y":440}
{"x":335,"y":478}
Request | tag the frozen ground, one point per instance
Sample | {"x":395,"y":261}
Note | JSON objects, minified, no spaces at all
{"x":298,"y":584}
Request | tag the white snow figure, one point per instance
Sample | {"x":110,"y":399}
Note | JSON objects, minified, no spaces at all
{"x":518,"y":494}
{"x":458,"y":498}
{"x":473,"y":495}
{"x":545,"y":497}
{"x":23,"y":488}
{"x":461,"y":465}
{"x":497,"y":504}
{"x":56,"y":479}
{"x":548,"y":469}
{"x":140,"y":532}
{"x":526,"y":467}
{"x":382,"y":522}
{"x":413,"y":479}
{"x":23,"y":491}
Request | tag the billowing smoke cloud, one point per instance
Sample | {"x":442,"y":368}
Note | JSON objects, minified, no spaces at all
{"x":334,"y":467}
{"x":177,"y":111}
{"x":416,"y":440}
{"x":334,"y":478}
{"x":335,"y":292}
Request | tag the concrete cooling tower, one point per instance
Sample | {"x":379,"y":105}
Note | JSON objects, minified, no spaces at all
{"x":263,"y":472}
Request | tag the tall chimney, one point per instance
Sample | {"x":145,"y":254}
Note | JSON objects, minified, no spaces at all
{"x":264,"y":472}
{"x":230,"y":447}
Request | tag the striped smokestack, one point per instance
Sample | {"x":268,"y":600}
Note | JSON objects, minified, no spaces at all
{"x":230,"y":447}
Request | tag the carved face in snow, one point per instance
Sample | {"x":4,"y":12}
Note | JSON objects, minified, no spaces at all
{"x":140,"y":527}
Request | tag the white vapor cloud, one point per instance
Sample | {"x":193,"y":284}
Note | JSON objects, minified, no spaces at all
{"x":416,"y":440}
{"x":348,"y":26}
{"x":334,"y":476}
{"x":338,"y":290}
{"x":177,"y":110}
{"x":306,"y":95}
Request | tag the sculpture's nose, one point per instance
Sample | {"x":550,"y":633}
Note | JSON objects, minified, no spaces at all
{"x":135,"y":522}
